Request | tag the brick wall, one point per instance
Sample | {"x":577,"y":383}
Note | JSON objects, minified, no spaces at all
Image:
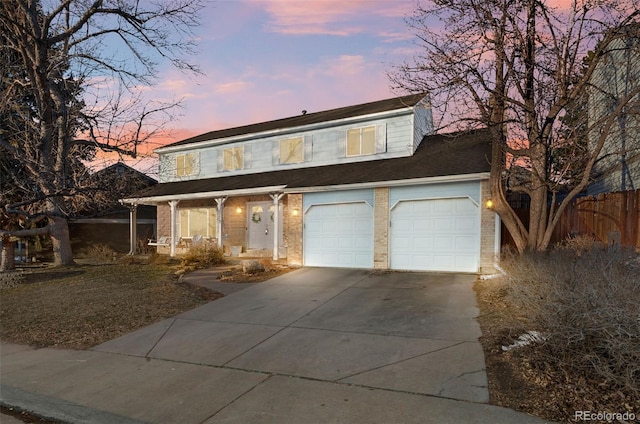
{"x":381,"y":228}
{"x":487,"y":231}
{"x":293,"y":229}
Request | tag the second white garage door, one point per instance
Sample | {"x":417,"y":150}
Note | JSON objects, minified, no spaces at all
{"x":435,"y":235}
{"x":339,"y":235}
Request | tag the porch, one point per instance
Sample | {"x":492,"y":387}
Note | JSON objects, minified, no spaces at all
{"x":244,"y":223}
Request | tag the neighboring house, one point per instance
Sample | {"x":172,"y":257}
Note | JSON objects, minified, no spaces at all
{"x":365,"y":186}
{"x":616,"y":80}
{"x":108,"y":221}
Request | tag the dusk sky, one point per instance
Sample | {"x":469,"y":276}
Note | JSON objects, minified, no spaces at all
{"x":270,"y":59}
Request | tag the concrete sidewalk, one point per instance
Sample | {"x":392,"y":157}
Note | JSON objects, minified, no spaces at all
{"x":312,"y":346}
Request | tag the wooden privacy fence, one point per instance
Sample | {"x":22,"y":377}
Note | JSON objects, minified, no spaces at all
{"x":608,"y":217}
{"x":612,"y":218}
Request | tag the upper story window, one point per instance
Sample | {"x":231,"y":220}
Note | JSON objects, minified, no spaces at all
{"x":361,"y":141}
{"x":185,"y":165}
{"x":292,"y":150}
{"x":233,"y":158}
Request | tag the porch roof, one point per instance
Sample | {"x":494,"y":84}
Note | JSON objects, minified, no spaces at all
{"x":438,"y":155}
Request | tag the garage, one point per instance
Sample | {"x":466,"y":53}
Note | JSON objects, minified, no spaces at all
{"x":340,"y":233}
{"x":435,"y":227}
{"x":435,"y":235}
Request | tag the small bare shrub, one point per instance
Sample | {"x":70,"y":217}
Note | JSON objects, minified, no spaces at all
{"x":586,"y":305}
{"x":579,"y":244}
{"x":267,"y":264}
{"x":101,"y":254}
{"x":203,"y":256}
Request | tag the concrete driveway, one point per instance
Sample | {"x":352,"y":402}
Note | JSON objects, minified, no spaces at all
{"x":314,"y":345}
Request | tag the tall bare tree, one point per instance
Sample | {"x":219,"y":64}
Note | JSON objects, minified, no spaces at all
{"x":72,"y":88}
{"x":526,"y":70}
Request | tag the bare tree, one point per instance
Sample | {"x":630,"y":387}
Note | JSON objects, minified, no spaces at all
{"x":525,"y":69}
{"x":72,"y":88}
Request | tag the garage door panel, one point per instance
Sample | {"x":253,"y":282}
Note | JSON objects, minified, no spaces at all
{"x":435,"y":235}
{"x":339,"y":235}
{"x":442,"y":225}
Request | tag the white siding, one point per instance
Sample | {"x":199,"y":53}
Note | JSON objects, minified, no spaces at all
{"x":322,"y":147}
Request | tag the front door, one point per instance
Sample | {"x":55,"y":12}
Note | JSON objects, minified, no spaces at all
{"x":260,"y":225}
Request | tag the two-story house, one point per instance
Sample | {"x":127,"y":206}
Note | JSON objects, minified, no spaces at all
{"x":365,"y":186}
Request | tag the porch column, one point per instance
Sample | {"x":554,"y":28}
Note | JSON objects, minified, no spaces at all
{"x":133,"y":225}
{"x":173,"y":204}
{"x":276,"y":224}
{"x":220,"y":202}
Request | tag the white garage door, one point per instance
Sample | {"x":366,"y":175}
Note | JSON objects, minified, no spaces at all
{"x":339,"y":235}
{"x":435,"y":235}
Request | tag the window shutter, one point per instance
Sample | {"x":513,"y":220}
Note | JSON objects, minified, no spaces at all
{"x":381,"y":138}
{"x":342,"y":143}
{"x":195,"y":157}
{"x":275,"y":152}
{"x":245,"y":154}
{"x":220,"y":153}
{"x":308,"y":148}
{"x":165,"y":170}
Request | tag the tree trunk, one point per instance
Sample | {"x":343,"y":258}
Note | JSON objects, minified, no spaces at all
{"x":59,"y":231}
{"x":8,"y":260}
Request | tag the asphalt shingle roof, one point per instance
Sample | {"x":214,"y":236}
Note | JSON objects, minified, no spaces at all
{"x":437,"y":155}
{"x":308,"y":119}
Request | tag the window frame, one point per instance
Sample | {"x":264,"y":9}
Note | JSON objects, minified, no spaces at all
{"x":361,"y":131}
{"x":211,"y":224}
{"x":233,"y":151}
{"x":299,"y":154}
{"x":184,"y":170}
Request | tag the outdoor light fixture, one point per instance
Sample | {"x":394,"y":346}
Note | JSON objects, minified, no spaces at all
{"x":295,"y":212}
{"x":238,"y":209}
{"x":489,"y":204}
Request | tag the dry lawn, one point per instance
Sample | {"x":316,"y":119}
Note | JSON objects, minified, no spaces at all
{"x":82,"y":306}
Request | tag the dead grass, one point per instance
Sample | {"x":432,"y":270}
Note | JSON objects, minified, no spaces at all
{"x":82,"y":306}
{"x":550,"y":379}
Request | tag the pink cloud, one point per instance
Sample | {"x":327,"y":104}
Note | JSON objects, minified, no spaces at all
{"x":328,"y":17}
{"x":233,"y":87}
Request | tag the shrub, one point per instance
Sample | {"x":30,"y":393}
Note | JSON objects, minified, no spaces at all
{"x":101,"y":254}
{"x":203,"y":256}
{"x":586,"y":304}
{"x":267,"y":264}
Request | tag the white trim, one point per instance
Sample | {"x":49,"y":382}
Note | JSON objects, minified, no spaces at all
{"x":497,"y":238}
{"x":396,"y":183}
{"x":304,"y":212}
{"x":419,"y":199}
{"x":203,"y":195}
{"x":285,"y":131}
{"x":283,"y":188}
{"x":110,"y":221}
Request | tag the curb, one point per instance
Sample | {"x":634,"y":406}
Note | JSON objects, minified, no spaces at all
{"x":58,"y":410}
